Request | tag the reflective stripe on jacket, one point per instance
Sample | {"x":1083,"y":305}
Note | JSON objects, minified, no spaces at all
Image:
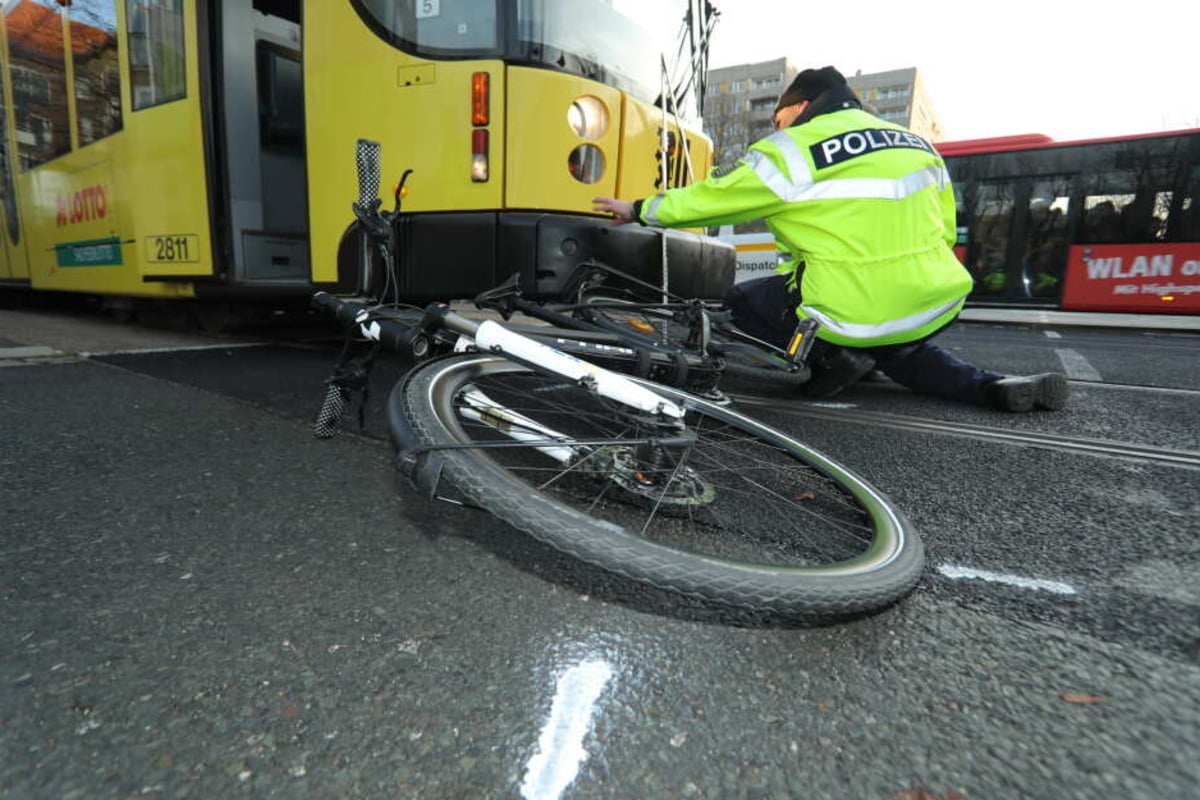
{"x":866,"y":205}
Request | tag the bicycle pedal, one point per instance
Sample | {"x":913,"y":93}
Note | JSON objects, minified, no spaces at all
{"x":802,"y":339}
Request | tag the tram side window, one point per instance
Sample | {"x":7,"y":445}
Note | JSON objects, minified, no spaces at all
{"x":280,"y":97}
{"x":39,"y":81}
{"x":8,"y":200}
{"x":97,"y":72}
{"x":156,"y":51}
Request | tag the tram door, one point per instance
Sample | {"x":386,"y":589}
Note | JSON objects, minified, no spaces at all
{"x":1017,"y":238}
{"x":262,"y":108}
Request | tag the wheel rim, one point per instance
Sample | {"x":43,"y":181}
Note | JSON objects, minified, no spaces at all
{"x":741,"y":494}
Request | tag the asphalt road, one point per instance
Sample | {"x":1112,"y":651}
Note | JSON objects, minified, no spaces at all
{"x":200,"y":599}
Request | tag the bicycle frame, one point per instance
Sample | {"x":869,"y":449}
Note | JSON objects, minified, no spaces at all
{"x":493,"y":337}
{"x":702,"y":318}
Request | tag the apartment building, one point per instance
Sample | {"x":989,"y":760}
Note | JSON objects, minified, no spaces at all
{"x":741,"y":100}
{"x":899,"y":96}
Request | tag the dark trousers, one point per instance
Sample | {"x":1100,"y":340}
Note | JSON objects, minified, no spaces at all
{"x":766,"y":309}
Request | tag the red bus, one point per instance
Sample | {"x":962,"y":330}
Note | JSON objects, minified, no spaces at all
{"x":1093,"y":225}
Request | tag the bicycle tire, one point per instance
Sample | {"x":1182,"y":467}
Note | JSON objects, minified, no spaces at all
{"x":748,"y":367}
{"x":757,"y":378}
{"x":743,"y":484}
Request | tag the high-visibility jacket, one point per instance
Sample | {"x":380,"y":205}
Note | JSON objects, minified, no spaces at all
{"x":867,"y":207}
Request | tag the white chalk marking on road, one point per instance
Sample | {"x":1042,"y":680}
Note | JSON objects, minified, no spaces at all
{"x":32,"y":351}
{"x":1052,"y":334}
{"x":1078,"y":368}
{"x":560,"y":747}
{"x":183,"y":348}
{"x":969,"y":573}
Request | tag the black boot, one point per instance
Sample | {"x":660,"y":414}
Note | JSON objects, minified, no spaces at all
{"x":1025,"y":393}
{"x":835,"y":371}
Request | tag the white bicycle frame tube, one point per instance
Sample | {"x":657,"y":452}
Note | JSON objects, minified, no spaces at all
{"x":492,"y":337}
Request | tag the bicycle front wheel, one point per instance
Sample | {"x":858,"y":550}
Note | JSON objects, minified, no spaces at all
{"x":730,"y":511}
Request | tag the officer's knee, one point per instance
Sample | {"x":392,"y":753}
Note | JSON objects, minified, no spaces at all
{"x":734,"y":297}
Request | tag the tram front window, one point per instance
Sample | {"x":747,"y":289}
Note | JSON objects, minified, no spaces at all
{"x":621,"y":43}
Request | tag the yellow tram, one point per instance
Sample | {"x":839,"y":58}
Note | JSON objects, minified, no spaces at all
{"x":177,"y":149}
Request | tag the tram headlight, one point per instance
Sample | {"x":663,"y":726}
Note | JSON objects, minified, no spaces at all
{"x":586,"y":163}
{"x":588,"y":117}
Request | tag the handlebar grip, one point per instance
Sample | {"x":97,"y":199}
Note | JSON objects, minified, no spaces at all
{"x":367,"y":161}
{"x":340,"y":309}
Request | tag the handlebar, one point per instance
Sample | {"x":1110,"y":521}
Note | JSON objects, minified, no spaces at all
{"x":411,"y":341}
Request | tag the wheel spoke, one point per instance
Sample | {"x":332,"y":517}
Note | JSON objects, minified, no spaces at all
{"x":732,"y":510}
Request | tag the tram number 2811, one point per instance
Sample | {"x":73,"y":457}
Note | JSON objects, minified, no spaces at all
{"x":173,"y":248}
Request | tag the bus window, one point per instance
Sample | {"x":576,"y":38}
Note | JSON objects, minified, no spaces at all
{"x":156,"y":51}
{"x":1119,"y":199}
{"x":1046,"y":238}
{"x":1188,"y":225}
{"x":990,"y":211}
{"x":1159,"y":216}
{"x":1106,"y":207}
{"x":962,"y":223}
{"x":39,"y":81}
{"x":97,"y":81}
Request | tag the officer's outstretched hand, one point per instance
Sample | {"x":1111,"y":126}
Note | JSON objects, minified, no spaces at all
{"x":621,"y":210}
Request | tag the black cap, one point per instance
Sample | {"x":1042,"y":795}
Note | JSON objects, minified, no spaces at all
{"x":809,"y":84}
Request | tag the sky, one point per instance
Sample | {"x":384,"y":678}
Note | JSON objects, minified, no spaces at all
{"x":1070,"y":69}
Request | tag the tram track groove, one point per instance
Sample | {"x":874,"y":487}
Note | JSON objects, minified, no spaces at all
{"x":1125,"y":451}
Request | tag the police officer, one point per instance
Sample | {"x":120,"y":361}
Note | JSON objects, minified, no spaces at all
{"x":866,"y":210}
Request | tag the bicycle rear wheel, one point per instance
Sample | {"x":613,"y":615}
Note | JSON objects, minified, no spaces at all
{"x":740,"y":514}
{"x":747,"y":364}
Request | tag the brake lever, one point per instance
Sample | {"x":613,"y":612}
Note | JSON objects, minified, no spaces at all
{"x":374,"y":222}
